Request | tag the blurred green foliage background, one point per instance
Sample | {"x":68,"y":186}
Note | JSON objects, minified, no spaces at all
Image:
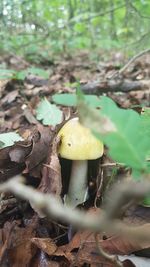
{"x":41,"y":26}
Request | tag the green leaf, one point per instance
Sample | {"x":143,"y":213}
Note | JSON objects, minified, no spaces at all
{"x":126,"y":141}
{"x":20,"y":75}
{"x":48,"y":113}
{"x":1,"y":144}
{"x":6,"y":74}
{"x":129,"y":143}
{"x":8,"y":139}
{"x":71,"y":100}
{"x":65,"y":99}
{"x":146,"y":202}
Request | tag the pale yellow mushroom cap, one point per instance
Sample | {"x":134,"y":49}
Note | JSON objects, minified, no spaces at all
{"x":78,"y":143}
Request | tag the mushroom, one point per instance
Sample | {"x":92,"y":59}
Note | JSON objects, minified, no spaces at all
{"x":78,"y":144}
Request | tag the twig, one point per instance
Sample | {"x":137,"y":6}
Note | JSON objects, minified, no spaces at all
{"x":133,"y":59}
{"x":112,"y":164}
{"x":130,"y":62}
{"x":100,"y":186}
{"x":111,"y":258}
{"x":105,"y":221}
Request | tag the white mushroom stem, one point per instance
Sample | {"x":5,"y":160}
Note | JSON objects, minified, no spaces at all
{"x":78,"y":183}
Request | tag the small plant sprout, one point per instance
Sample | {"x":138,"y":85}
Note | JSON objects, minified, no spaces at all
{"x":78,"y":144}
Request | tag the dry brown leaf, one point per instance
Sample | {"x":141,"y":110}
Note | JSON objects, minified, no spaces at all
{"x":84,"y":243}
{"x":42,"y":260}
{"x":10,"y":97}
{"x":29,"y":116}
{"x":7,"y":167}
{"x":20,"y":150}
{"x":3,"y":84}
{"x":51,"y":179}
{"x":41,"y":138}
{"x":16,"y":248}
{"x":45,"y":244}
{"x":137,"y":215}
{"x":88,"y":253}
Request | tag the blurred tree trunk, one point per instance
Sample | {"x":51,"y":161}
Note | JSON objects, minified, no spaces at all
{"x":34,"y":15}
{"x":113,"y":33}
{"x":127,"y":13}
{"x":12,"y":15}
{"x":70,"y":9}
{"x":23,"y":12}
{"x":2,"y":17}
{"x":91,"y":27}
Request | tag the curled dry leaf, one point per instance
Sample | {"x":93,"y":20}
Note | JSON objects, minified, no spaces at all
{"x":10,"y":97}
{"x":43,"y":260}
{"x":40,"y":144}
{"x":48,"y":246}
{"x":19,"y":151}
{"x":51,"y":178}
{"x":45,"y":244}
{"x":31,"y":153}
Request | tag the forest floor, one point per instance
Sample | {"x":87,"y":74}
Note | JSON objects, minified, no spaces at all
{"x":25,"y":238}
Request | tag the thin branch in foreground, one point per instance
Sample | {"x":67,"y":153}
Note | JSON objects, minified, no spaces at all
{"x":130,"y":62}
{"x":111,"y":258}
{"x":133,"y":59}
{"x":99,"y":222}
